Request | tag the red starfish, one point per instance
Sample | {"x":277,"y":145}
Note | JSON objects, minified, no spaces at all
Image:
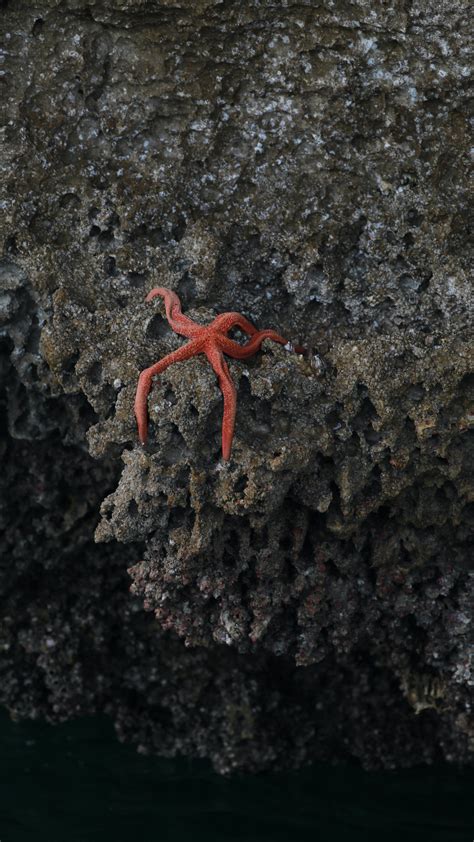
{"x":212,"y":341}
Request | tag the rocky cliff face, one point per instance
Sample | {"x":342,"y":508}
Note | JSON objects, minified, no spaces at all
{"x":306,"y":165}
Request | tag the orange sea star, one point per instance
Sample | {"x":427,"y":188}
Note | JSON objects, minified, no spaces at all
{"x":212,"y":341}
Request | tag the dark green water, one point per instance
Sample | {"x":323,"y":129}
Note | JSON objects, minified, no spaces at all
{"x":75,"y":783}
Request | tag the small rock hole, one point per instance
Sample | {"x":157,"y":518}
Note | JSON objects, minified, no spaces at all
{"x":157,"y":327}
{"x":170,"y":396}
{"x":95,"y":373}
{"x":241,"y":484}
{"x":414,"y":217}
{"x":416,"y":392}
{"x":110,"y":266}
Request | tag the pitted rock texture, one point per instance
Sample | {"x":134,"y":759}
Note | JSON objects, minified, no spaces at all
{"x":305,"y":165}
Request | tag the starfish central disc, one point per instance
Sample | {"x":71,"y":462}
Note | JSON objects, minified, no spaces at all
{"x":211,"y":340}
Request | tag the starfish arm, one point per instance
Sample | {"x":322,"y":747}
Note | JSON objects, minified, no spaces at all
{"x":181,"y":324}
{"x":145,"y":379}
{"x":242,"y":352}
{"x":230,"y":346}
{"x":230,"y":399}
{"x":225,"y":321}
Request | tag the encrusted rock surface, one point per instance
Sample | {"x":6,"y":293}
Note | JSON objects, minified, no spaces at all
{"x":305,"y":164}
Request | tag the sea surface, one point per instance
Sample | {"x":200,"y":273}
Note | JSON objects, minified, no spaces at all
{"x":76,"y":783}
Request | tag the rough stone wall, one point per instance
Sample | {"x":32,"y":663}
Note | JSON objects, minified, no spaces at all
{"x":305,"y":164}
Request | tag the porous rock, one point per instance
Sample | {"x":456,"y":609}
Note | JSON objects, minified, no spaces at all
{"x":307,"y":166}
